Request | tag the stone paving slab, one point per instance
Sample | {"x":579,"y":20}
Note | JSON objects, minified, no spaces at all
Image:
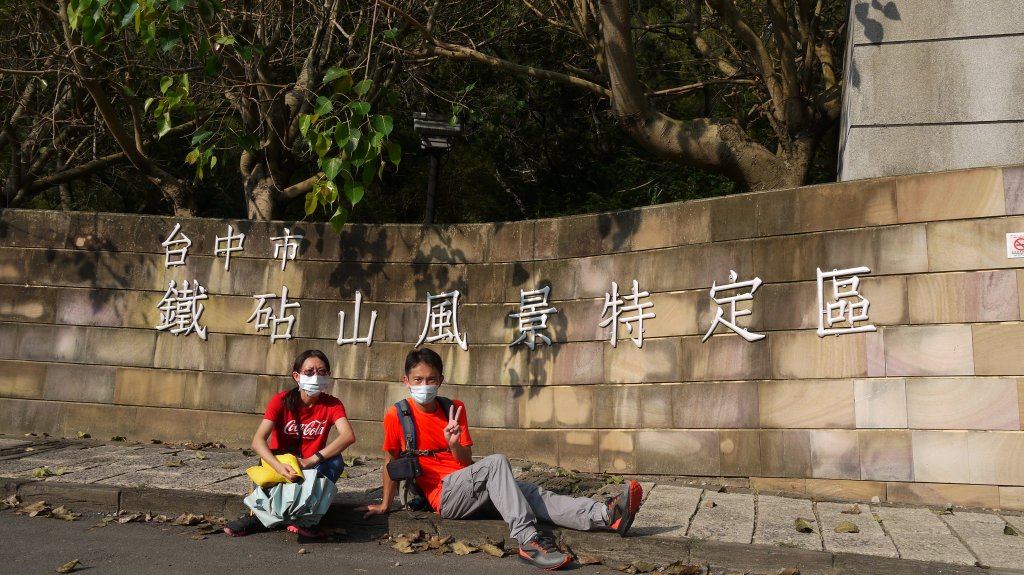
{"x":63,"y":456}
{"x":776,"y":517}
{"x":666,"y":511}
{"x":983,"y":534}
{"x":96,"y":474}
{"x":727,"y":517}
{"x":920,"y":534}
{"x":871,"y":540}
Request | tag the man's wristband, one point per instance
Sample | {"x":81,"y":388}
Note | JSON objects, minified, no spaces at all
{"x":319,"y":457}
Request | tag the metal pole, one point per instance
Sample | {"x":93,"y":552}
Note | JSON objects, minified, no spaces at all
{"x":435,"y":172}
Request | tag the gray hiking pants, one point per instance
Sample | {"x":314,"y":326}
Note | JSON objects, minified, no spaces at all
{"x":490,"y":480}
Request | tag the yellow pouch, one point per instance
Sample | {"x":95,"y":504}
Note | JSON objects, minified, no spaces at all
{"x":265,"y":476}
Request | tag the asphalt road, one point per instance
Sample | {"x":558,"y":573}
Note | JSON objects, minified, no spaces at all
{"x":41,"y":545}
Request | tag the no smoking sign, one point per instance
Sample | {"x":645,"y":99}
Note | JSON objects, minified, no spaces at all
{"x":1015,"y":245}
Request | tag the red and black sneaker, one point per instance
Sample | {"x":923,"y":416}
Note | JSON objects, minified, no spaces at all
{"x":542,"y":552}
{"x":623,"y":507}
{"x":246,"y":525}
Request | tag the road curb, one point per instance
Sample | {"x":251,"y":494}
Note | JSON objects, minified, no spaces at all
{"x":113,"y":499}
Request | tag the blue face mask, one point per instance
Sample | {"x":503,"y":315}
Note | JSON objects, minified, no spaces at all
{"x":423,"y":394}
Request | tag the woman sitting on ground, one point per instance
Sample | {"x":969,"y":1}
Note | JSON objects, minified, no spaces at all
{"x":298,"y":422}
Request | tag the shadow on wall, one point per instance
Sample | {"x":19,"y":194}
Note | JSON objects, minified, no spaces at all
{"x":866,"y":14}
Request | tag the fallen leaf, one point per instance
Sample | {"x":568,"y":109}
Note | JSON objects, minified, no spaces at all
{"x":847,"y":527}
{"x":35,"y":509}
{"x":414,"y":536}
{"x":160,"y":519}
{"x":463,"y":548}
{"x":301,"y":551}
{"x":187,"y":519}
{"x":11,"y":501}
{"x":156,"y":441}
{"x":788,"y":571}
{"x":65,"y":514}
{"x":83,"y":435}
{"x":30,"y":449}
{"x":129,"y":517}
{"x":403,"y":546}
{"x":198,"y":537}
{"x":802,"y":525}
{"x":435,"y":542}
{"x":1009,"y":530}
{"x":614,"y":480}
{"x":492,"y":550}
{"x":119,"y":438}
{"x":68,"y":567}
{"x":680,"y":568}
{"x":709,"y":505}
{"x":41,"y":472}
{"x":444,"y":549}
{"x":173,"y":463}
{"x":229,"y":466}
{"x":248,"y":452}
{"x":200,"y":455}
{"x":642,"y":566}
{"x":852,"y":510}
{"x":589,"y":560}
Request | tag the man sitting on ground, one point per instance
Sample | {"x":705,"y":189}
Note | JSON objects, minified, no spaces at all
{"x":457,"y":488}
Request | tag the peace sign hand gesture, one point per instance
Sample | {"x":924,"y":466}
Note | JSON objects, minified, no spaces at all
{"x":453,"y":431}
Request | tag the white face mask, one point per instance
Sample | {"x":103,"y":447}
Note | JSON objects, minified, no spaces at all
{"x":313,"y":384}
{"x":423,"y":394}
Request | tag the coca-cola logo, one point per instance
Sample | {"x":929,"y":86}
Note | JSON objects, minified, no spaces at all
{"x":311,"y":429}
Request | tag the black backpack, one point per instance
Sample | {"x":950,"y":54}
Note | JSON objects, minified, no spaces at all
{"x":409,"y":493}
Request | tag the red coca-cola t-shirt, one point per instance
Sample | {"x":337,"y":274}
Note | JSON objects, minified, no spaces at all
{"x":315,"y":421}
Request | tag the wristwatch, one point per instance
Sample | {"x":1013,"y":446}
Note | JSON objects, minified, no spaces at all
{"x":319,"y":457}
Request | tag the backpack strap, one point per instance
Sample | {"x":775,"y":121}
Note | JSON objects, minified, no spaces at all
{"x":409,"y":427}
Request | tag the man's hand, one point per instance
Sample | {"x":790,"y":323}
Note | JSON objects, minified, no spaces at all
{"x":373,"y":509}
{"x":453,"y":431}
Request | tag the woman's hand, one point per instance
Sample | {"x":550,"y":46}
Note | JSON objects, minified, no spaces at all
{"x":285,"y":470}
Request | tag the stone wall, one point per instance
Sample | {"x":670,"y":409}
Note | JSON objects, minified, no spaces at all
{"x":932,"y":86}
{"x":927,"y":408}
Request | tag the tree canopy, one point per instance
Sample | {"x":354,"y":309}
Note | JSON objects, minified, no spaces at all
{"x":263,"y":110}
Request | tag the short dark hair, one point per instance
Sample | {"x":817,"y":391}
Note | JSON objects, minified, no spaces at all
{"x":424,"y":355}
{"x":302,"y":357}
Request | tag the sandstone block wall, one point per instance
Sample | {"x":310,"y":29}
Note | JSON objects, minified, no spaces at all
{"x":927,"y":408}
{"x":932,"y":86}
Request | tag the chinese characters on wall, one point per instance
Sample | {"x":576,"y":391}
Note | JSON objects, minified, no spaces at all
{"x":841,"y":307}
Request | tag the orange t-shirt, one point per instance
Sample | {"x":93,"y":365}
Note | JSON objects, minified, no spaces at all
{"x":429,"y":435}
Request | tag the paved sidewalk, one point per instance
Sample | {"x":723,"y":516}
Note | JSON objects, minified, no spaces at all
{"x":724,"y":528}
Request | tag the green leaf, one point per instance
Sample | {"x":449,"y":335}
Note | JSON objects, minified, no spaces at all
{"x":225,"y":40}
{"x":163,"y":125}
{"x":207,"y":10}
{"x":338,"y":219}
{"x":212,"y":65}
{"x":362,"y":87}
{"x":304,"y":121}
{"x":183,"y":82}
{"x":333,"y":73}
{"x":354,"y":192}
{"x":383,"y":124}
{"x":390,"y":34}
{"x":802,"y":525}
{"x":200,"y":136}
{"x":354,"y":137}
{"x":394,"y":153}
{"x":322,"y":146}
{"x":847,"y":527}
{"x":361,"y":153}
{"x":323,"y":106}
{"x":192,"y":157}
{"x":177,"y":5}
{"x":165,"y":83}
{"x":149,"y":102}
{"x":129,"y":15}
{"x":311,"y":202}
{"x":341,"y":134}
{"x":169,"y":42}
{"x":369,"y":171}
{"x":360,"y":109}
{"x":331,"y":167}
{"x":213,"y":162}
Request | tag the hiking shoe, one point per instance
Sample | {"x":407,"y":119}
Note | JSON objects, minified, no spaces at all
{"x":246,"y":525}
{"x":623,"y":507}
{"x":542,"y":552}
{"x":307,"y":533}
